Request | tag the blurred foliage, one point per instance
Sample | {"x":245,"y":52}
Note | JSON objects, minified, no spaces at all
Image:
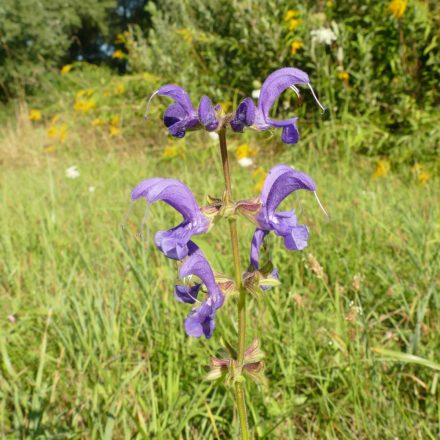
{"x":36,"y":37}
{"x":378,"y":59}
{"x":375,"y":64}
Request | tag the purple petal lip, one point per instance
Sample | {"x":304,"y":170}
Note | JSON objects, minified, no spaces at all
{"x":201,"y":320}
{"x":174,"y":243}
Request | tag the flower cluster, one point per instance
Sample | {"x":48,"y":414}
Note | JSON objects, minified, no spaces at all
{"x":181,"y":116}
{"x":177,"y":242}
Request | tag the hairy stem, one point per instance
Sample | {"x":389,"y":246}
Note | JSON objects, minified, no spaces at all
{"x":239,"y":389}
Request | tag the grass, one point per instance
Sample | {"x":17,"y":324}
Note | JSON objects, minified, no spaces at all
{"x":94,"y":344}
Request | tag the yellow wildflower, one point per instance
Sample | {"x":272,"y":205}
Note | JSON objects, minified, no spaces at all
{"x":245,"y":150}
{"x":66,"y":69}
{"x":62,"y":133}
{"x":344,"y":76}
{"x":118,"y":54}
{"x":84,"y":92}
{"x":170,"y":152}
{"x":115,"y":120}
{"x":292,"y":20}
{"x":423,"y":177}
{"x":291,"y":13}
{"x":174,"y":150}
{"x":295,"y":46}
{"x":397,"y":7}
{"x":35,"y":115}
{"x":119,"y":89}
{"x":382,"y":168}
{"x":82,"y":105}
{"x":114,"y":131}
{"x":97,"y":122}
{"x":52,"y":132}
{"x":294,"y":23}
{"x":120,"y":39}
{"x":57,"y":132}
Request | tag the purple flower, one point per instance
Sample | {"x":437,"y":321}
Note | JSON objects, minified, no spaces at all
{"x":175,"y":242}
{"x":182,"y":116}
{"x":201,"y":320}
{"x":258,"y":117}
{"x":281,"y":181}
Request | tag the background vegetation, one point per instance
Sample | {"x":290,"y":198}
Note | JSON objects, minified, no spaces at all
{"x":91,"y":338}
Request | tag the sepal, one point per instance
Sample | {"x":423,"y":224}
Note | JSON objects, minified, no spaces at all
{"x":232,"y":372}
{"x":249,"y":208}
{"x":227,"y":286}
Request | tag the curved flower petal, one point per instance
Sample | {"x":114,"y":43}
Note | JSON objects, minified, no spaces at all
{"x":286,"y":181}
{"x":244,"y":115}
{"x":275,"y":84}
{"x":201,"y":320}
{"x":174,"y":243}
{"x":207,"y":114}
{"x":171,"y":191}
{"x":179,"y":95}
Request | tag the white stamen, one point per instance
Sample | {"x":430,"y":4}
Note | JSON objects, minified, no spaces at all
{"x":148,"y":103}
{"x":187,"y":280}
{"x":296,"y":90}
{"x":322,"y":207}
{"x":316,"y":98}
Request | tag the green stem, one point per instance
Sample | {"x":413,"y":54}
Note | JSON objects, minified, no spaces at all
{"x":241,"y":306}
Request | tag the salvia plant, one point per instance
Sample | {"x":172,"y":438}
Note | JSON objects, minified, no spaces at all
{"x":201,"y":286}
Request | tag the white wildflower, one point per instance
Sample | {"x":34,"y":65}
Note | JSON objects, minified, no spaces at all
{"x":245,"y":162}
{"x":72,"y":172}
{"x":323,"y":35}
{"x":213,"y":135}
{"x":256,"y":93}
{"x":91,"y":189}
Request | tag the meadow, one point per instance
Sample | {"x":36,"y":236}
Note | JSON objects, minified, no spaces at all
{"x":92,"y":341}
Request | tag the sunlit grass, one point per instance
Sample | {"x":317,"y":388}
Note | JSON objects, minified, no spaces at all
{"x":92,"y":342}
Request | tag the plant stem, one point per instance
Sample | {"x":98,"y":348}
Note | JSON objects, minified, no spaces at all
{"x":241,"y":306}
